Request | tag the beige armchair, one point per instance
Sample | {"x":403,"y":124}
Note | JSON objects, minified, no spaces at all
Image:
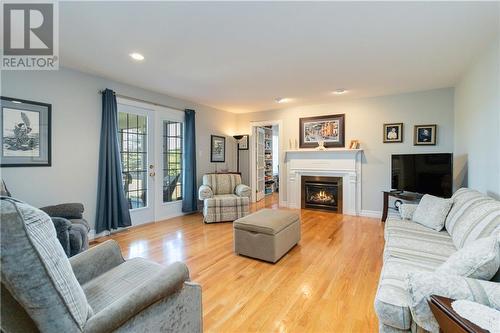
{"x":224,"y":197}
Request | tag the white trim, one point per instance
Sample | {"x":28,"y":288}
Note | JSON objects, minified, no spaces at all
{"x":371,"y":213}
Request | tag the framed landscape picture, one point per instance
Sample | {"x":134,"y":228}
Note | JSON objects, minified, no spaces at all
{"x":425,"y":135}
{"x":25,"y":133}
{"x":217,"y":149}
{"x":328,"y":129}
{"x":393,"y":132}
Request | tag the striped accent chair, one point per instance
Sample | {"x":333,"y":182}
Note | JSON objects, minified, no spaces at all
{"x":224,"y":197}
{"x":412,"y":248}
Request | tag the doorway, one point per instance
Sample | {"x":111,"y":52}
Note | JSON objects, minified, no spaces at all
{"x":151,"y":150}
{"x":266,"y":155}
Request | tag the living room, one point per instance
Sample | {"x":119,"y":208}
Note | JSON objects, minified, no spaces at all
{"x":148,"y":148}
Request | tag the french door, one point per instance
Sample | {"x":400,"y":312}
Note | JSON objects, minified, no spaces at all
{"x":151,"y":143}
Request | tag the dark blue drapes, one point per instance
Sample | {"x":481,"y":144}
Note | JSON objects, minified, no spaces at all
{"x":190,"y":197}
{"x":112,"y":207}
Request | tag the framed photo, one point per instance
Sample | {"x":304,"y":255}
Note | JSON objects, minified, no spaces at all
{"x":328,"y":129}
{"x":393,"y":132}
{"x":354,"y":144}
{"x":425,"y":135}
{"x":243,"y":144}
{"x":25,"y":133}
{"x":217,"y":149}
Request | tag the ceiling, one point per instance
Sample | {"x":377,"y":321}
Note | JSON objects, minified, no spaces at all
{"x":240,"y":56}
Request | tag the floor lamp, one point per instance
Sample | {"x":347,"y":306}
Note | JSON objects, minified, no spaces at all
{"x":238,"y":139}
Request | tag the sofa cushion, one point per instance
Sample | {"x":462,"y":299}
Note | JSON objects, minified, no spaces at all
{"x":480,"y":219}
{"x":226,"y":207}
{"x":223,"y":183}
{"x":392,"y":299}
{"x":427,"y":246}
{"x":406,"y":211}
{"x":37,"y":272}
{"x":432,"y":211}
{"x":479,"y":259}
{"x":405,"y":227}
{"x":421,"y":285}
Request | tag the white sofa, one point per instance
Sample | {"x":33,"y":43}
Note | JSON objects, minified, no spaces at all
{"x":412,"y":247}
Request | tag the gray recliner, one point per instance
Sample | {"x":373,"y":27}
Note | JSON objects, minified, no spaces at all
{"x":94,"y":291}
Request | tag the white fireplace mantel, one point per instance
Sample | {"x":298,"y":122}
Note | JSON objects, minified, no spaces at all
{"x":345,"y":163}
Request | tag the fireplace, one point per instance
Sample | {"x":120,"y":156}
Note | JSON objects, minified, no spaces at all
{"x":324,"y":193}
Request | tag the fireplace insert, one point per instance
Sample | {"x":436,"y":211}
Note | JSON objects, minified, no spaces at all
{"x":324,"y":193}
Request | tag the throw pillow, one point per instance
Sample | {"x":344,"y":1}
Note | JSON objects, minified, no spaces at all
{"x":479,"y":260}
{"x":406,"y":211}
{"x":432,"y":211}
{"x":421,"y":285}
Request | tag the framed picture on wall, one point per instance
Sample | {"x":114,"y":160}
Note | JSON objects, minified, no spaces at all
{"x":393,"y":132}
{"x":243,"y":144}
{"x":328,"y":129}
{"x":25,"y":133}
{"x":425,"y":135}
{"x":217,"y":149}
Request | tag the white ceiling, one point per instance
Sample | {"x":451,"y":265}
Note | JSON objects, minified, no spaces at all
{"x":239,"y":56}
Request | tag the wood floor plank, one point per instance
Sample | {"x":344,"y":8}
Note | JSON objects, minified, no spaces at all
{"x":327,"y":283}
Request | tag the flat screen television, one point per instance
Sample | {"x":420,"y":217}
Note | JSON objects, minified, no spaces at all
{"x":423,"y":173}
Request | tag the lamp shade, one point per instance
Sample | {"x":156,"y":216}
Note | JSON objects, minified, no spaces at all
{"x":238,"y":137}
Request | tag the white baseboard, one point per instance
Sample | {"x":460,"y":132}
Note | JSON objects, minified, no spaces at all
{"x":371,"y":213}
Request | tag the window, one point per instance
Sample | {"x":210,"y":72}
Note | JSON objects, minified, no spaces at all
{"x":172,"y":160}
{"x":132,"y":138}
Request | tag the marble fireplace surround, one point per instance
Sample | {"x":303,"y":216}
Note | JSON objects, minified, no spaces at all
{"x":344,"y":163}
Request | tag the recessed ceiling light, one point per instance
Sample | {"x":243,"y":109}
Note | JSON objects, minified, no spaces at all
{"x":281,"y":100}
{"x":339,"y":91}
{"x":17,"y":102}
{"x":136,"y":56}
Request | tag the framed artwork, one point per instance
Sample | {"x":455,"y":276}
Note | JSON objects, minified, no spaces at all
{"x":354,"y":144}
{"x":425,"y":135}
{"x":26,"y":133}
{"x":327,"y":129}
{"x":243,"y":144}
{"x":217,"y":149}
{"x":393,"y":132}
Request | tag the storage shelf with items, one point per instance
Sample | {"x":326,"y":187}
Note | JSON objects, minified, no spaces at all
{"x":268,"y":160}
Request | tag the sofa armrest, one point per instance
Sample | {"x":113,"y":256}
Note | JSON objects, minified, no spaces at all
{"x":243,"y":191}
{"x":66,"y":210}
{"x":95,"y":261}
{"x":205,"y":192}
{"x":62,"y":227}
{"x":165,"y":283}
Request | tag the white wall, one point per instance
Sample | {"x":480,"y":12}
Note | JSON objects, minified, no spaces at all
{"x":364,"y":120}
{"x":477,"y":125}
{"x":76,"y":121}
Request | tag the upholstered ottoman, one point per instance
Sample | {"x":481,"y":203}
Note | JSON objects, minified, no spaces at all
{"x":267,"y":234}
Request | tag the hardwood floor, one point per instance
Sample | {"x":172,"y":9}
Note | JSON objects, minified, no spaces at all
{"x":325,"y":284}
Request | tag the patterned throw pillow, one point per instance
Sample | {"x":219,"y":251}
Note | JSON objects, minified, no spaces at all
{"x":432,"y":211}
{"x":421,"y":285}
{"x":479,"y":260}
{"x":406,"y":211}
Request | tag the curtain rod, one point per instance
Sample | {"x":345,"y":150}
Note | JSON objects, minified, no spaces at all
{"x":143,"y":101}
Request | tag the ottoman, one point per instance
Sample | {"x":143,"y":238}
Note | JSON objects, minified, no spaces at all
{"x":267,"y":234}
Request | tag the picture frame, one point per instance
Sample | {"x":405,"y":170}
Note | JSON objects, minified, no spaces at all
{"x":243,"y":144}
{"x":393,"y":133}
{"x":217,"y":149}
{"x":354,"y":144}
{"x":329,"y":129}
{"x":425,"y":135}
{"x":25,"y":133}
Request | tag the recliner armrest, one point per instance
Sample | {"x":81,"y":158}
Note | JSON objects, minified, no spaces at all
{"x":95,"y":261}
{"x":165,"y":283}
{"x":243,"y":191}
{"x":205,"y":192}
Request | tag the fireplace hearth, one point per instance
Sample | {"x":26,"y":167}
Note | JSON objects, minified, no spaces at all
{"x":323,"y":193}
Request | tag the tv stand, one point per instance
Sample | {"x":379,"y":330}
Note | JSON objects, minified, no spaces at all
{"x":407,"y":196}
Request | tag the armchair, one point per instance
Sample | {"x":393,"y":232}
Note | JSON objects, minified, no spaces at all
{"x":95,"y":291}
{"x":224,"y":197}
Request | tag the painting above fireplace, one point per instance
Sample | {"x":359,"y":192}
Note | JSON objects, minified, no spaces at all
{"x":323,"y":193}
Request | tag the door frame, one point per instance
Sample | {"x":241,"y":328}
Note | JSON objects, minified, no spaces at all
{"x":253,"y":161}
{"x":160,"y":210}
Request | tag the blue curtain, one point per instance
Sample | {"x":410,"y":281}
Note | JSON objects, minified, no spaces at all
{"x":190,"y":197}
{"x":112,"y":207}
